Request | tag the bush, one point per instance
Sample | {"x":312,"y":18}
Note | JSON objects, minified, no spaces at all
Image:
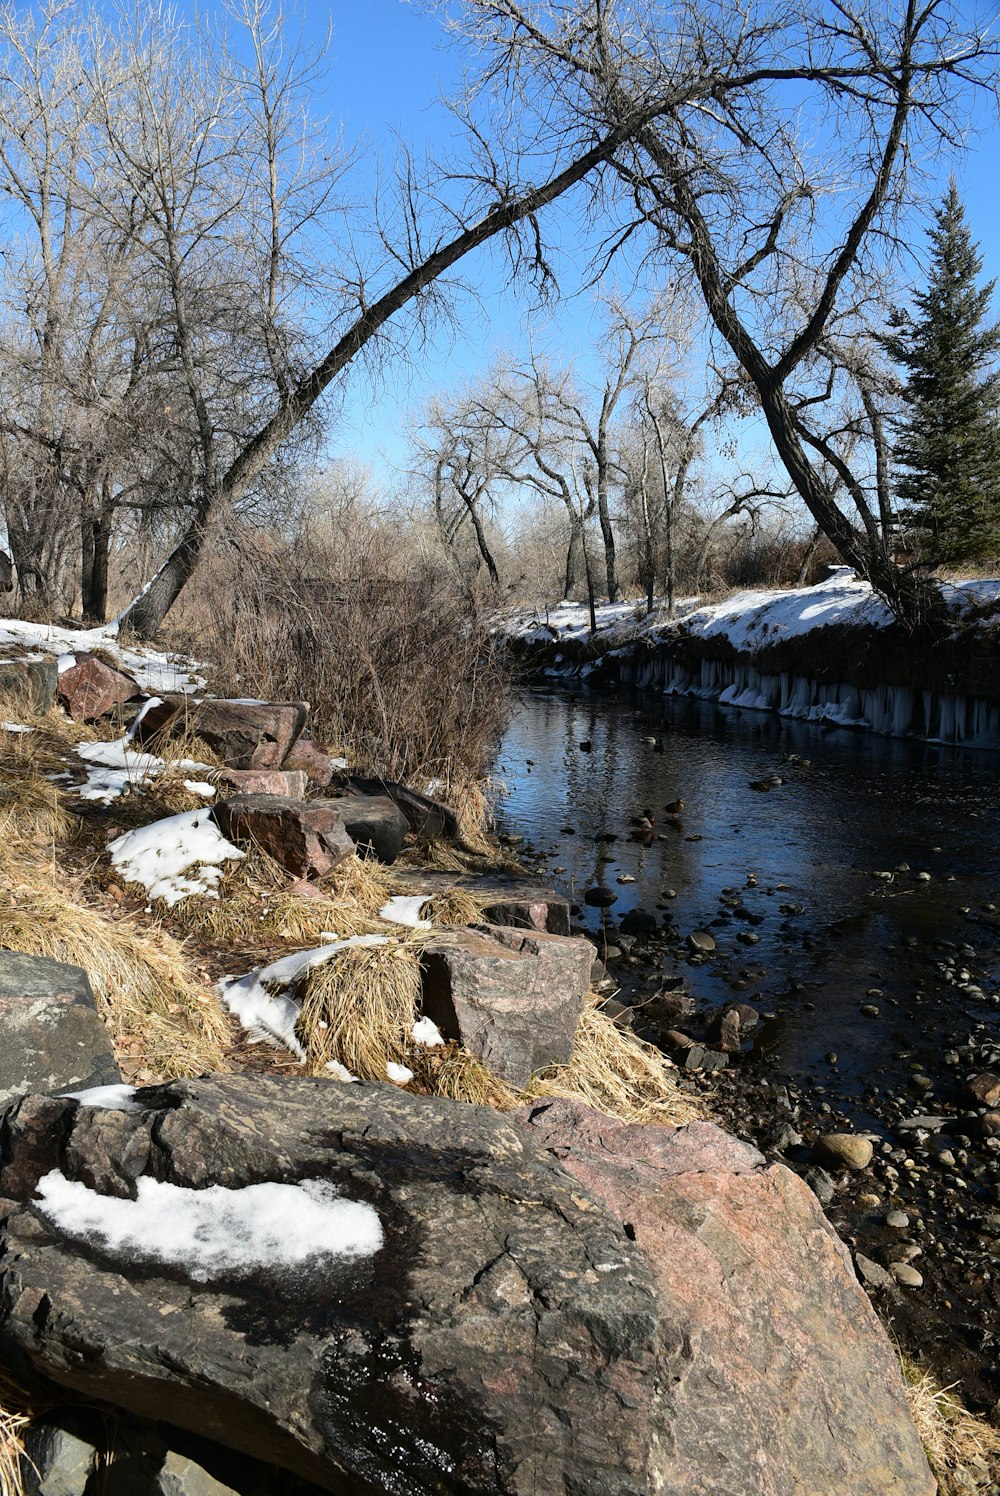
{"x":401,"y":673}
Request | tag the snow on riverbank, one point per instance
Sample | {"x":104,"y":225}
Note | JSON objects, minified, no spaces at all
{"x":749,"y":620}
{"x":153,"y":669}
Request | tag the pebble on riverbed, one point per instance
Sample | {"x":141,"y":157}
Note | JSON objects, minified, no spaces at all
{"x":846,"y":1149}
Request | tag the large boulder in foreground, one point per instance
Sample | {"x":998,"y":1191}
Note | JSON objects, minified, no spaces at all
{"x":244,"y":734}
{"x":514,"y":1329}
{"x":51,"y":1035}
{"x":512,"y":998}
{"x":787,"y":1383}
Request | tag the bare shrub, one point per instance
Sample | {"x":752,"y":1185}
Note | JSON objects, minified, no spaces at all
{"x":401,"y":673}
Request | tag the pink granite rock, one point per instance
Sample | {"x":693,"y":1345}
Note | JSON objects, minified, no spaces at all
{"x":245,"y":734}
{"x":787,"y":1381}
{"x":510,"y":997}
{"x":306,"y":837}
{"x":90,"y":688}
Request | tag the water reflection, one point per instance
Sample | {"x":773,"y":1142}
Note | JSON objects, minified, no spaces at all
{"x":801,"y":853}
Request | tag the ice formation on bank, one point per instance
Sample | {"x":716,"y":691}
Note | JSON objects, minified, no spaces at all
{"x":750,"y":622}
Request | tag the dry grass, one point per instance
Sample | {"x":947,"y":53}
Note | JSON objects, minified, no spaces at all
{"x":32,"y":813}
{"x":12,"y":1456}
{"x":256,"y":904}
{"x":618,"y":1074}
{"x":163,"y":1023}
{"x":359,"y":1007}
{"x":454,"y":906}
{"x":453,"y":1073}
{"x":963,"y":1451}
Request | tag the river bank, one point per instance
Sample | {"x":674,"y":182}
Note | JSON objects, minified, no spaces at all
{"x":828,"y":653}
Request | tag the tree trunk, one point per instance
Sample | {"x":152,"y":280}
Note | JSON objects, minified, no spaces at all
{"x":808,"y":557}
{"x":607,"y":531}
{"x":94,"y":577}
{"x":574,"y":556}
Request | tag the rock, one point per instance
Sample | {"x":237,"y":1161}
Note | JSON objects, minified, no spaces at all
{"x":307,"y":757}
{"x":906,"y":1275}
{"x":600,"y":898}
{"x":871,"y":1273}
{"x":291,"y":783}
{"x":701,"y":942}
{"x":989,"y":1124}
{"x":755,"y":1271}
{"x":60,"y":1458}
{"x":181,"y":1476}
{"x":984,"y":1089}
{"x":374,"y":824}
{"x":91,"y":689}
{"x":307,"y":837}
{"x":560,"y":1303}
{"x":897,"y":1220}
{"x":429,"y":819}
{"x":512,"y":998}
{"x":505,"y":900}
{"x":51,"y":1036}
{"x":922,"y":1121}
{"x":32,"y":681}
{"x":846,"y":1149}
{"x":725,"y":1031}
{"x":638,"y":922}
{"x":668,"y":1004}
{"x":244,"y":734}
{"x":821,"y":1184}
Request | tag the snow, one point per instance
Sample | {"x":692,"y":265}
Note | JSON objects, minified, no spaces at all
{"x":426,"y":1032}
{"x":749,"y":620}
{"x":154,"y":670}
{"x":262,"y":1001}
{"x":215,"y":1231}
{"x":398,"y":1074}
{"x":15,"y":727}
{"x":404,"y":909}
{"x":117,"y":767}
{"x":111,"y":1098}
{"x":176,"y":857}
{"x":200,"y":787}
{"x":340,"y":1071}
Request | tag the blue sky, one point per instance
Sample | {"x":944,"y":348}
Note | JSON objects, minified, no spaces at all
{"x":388,"y":62}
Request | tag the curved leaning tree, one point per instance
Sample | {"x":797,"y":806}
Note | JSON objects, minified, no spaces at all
{"x":768,"y":149}
{"x":781,"y":191}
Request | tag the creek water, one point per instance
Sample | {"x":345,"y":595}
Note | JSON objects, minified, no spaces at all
{"x":877,"y":986}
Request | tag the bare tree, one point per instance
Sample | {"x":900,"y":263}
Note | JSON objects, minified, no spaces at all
{"x":774,"y":226}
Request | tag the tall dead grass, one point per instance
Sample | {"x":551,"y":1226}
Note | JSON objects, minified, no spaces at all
{"x":256,"y":904}
{"x":618,"y":1074}
{"x":403,"y":677}
{"x":359,"y":1008}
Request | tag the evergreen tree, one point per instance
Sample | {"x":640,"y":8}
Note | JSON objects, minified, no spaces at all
{"x":947,"y":448}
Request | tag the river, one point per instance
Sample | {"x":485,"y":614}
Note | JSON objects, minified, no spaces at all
{"x":852,"y":886}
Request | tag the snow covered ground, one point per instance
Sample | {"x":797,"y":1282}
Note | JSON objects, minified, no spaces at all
{"x":154,"y":670}
{"x":749,"y":620}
